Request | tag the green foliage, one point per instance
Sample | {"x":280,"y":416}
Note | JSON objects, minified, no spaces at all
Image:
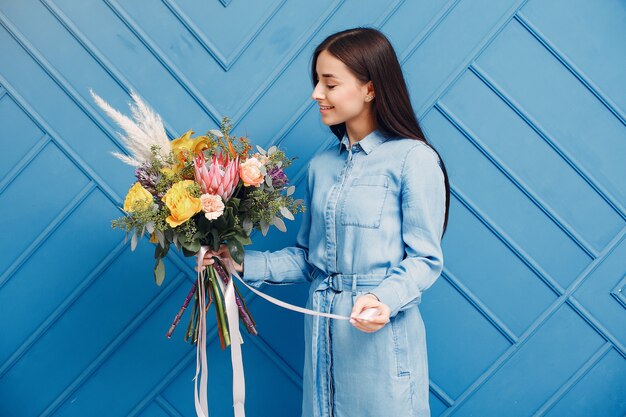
{"x":159,"y":271}
{"x":263,"y":205}
{"x":249,"y":208}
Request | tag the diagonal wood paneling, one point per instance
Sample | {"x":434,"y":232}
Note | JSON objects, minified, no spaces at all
{"x":520,"y":97}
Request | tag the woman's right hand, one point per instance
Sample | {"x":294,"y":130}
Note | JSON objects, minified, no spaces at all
{"x":222,"y":253}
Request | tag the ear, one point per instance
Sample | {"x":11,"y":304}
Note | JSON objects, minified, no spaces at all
{"x":370,"y":89}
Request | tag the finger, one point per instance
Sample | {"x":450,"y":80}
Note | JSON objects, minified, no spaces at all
{"x":362,"y":324}
{"x":382,"y":317}
{"x":375,"y":323}
{"x":371,"y":326}
{"x":379,"y":320}
{"x":367,"y":328}
{"x":362,"y":304}
{"x":358,"y":324}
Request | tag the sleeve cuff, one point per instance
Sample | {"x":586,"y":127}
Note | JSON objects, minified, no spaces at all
{"x":389,"y":296}
{"x":254,"y":268}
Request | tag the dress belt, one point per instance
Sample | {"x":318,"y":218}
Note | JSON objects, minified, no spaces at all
{"x":344,"y":282}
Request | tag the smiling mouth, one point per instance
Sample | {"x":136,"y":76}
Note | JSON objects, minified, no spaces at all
{"x":326,"y":107}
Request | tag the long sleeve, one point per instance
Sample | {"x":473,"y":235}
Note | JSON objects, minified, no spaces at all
{"x":288,"y":265}
{"x":423,"y":211}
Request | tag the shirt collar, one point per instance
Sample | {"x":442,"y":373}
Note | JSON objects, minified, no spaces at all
{"x":368,"y":143}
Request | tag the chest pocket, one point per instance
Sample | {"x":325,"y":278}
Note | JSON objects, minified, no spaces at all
{"x":364,"y":201}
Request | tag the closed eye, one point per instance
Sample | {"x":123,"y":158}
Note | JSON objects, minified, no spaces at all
{"x":331,"y":86}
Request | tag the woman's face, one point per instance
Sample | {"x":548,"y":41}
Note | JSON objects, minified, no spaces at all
{"x":340,"y":90}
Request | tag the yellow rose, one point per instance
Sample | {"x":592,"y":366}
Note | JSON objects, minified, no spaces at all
{"x":181,"y":204}
{"x":138,"y":198}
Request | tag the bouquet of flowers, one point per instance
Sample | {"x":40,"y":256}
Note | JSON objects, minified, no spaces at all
{"x":199,"y":192}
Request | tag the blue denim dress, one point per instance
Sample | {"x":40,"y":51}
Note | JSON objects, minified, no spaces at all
{"x":374,"y":221}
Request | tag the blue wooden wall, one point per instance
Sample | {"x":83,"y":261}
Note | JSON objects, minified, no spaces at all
{"x":525,"y":100}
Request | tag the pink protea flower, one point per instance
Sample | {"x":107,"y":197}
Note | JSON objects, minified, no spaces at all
{"x":220,"y":178}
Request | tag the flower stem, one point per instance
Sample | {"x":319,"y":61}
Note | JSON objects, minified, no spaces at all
{"x":244,"y":313}
{"x":191,"y":326}
{"x":219,"y":307}
{"x":182,"y":309}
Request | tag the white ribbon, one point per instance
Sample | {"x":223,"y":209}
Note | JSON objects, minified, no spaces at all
{"x":239,"y":389}
{"x":231,"y":267}
{"x":201,"y":400}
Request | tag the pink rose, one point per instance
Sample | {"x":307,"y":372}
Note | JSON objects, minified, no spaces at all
{"x":250,"y":172}
{"x":212,"y":206}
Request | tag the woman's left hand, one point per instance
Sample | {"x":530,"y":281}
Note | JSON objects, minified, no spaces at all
{"x":375,"y":323}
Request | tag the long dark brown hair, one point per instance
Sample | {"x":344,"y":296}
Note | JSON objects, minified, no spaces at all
{"x":369,"y":55}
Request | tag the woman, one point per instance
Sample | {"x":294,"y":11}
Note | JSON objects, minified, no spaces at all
{"x":377,"y":208}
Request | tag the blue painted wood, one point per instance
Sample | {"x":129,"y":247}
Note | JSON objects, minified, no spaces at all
{"x":524,"y":99}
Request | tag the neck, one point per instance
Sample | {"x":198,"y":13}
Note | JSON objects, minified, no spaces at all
{"x":358,"y":129}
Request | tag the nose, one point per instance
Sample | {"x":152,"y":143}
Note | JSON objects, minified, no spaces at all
{"x":316,"y":95}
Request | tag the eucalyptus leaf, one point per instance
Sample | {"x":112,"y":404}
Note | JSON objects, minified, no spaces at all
{"x":247,"y":225}
{"x":298,"y":201}
{"x":286,"y":213}
{"x":268,"y":180}
{"x":161,"y":252}
{"x":291,"y":190}
{"x":188,"y":252}
{"x":264,"y":226}
{"x":217,"y":133}
{"x":166,"y":249}
{"x":133,"y":242}
{"x":279,"y":164}
{"x":236,"y":250}
{"x":159,"y":272}
{"x":271,"y":150}
{"x":261,"y":150}
{"x":143,"y":230}
{"x":263,"y":170}
{"x":150,"y":227}
{"x":278,"y":222}
{"x":192,"y":246}
{"x":244,"y":240}
{"x":160,"y":238}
